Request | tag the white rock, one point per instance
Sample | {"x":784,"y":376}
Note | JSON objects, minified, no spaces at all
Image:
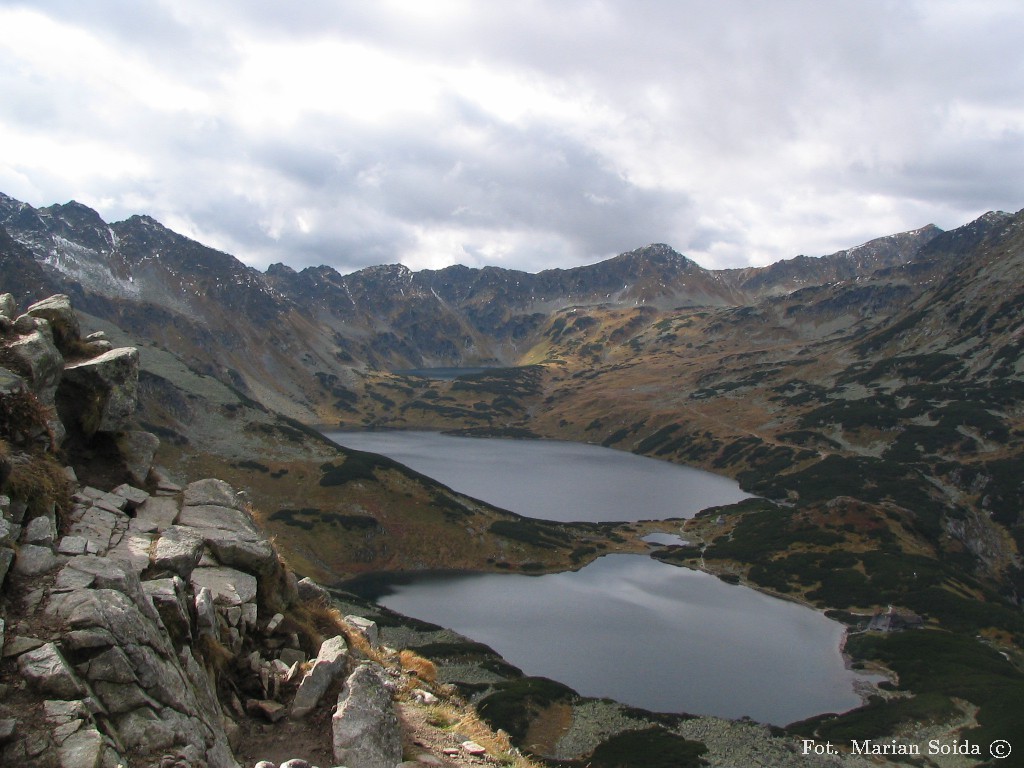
{"x":39,"y":531}
{"x":329,"y":664}
{"x":228,"y":586}
{"x":365,"y":727}
{"x":365,"y":627}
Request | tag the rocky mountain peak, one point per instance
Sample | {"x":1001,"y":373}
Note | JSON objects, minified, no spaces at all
{"x":79,"y":224}
{"x":970,"y":236}
{"x":280,"y":270}
{"x":655,"y":254}
{"x":398,"y":273}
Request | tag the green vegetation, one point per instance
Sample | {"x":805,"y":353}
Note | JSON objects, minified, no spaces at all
{"x":809,"y":438}
{"x":656,"y":439}
{"x":293,"y":432}
{"x":877,"y":340}
{"x":879,"y":717}
{"x":798,"y":392}
{"x":934,"y":666}
{"x":513,"y":704}
{"x":648,"y":748}
{"x":511,"y":382}
{"x":929,"y":367}
{"x":751,"y":379}
{"x":863,"y":477}
{"x":764,"y":528}
{"x":879,"y":412}
{"x":254,"y":465}
{"x":455,"y":412}
{"x":538,"y":533}
{"x":309,"y":517}
{"x":452,"y":509}
{"x":358,"y":465}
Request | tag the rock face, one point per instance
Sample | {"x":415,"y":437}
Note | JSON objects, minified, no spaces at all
{"x":329,"y":664}
{"x":124,"y":665}
{"x":365,"y":726}
{"x":122,"y":613}
{"x":101,"y":394}
{"x":57,"y":311}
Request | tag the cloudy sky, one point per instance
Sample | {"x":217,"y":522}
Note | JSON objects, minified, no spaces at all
{"x":534,"y":134}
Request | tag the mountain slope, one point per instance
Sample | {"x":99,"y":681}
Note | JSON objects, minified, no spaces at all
{"x":313,"y":331}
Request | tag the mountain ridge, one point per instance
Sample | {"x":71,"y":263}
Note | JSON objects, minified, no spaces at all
{"x":383,"y":317}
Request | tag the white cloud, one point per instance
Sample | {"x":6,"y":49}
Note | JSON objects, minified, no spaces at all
{"x":527,"y":135}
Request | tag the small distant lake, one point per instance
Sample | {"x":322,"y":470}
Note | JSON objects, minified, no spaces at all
{"x":665,"y":539}
{"x":646,"y":634}
{"x":442,"y":374}
{"x":552,"y":479}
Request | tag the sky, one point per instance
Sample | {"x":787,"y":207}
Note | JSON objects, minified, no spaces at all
{"x":526,"y":135}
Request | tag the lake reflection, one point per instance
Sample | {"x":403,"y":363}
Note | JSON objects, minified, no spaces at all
{"x":647,"y":634}
{"x":551,"y":479}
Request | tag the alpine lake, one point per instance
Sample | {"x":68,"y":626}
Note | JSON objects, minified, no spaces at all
{"x":625,"y":627}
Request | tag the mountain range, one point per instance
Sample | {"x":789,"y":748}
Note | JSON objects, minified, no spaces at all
{"x":316,"y":325}
{"x":871,"y":399}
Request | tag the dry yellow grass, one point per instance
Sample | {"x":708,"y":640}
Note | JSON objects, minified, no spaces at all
{"x":415,"y":664}
{"x":459,"y":717}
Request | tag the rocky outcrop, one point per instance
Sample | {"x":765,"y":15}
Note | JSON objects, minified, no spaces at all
{"x":118,"y":627}
{"x":154,"y":624}
{"x":365,"y":725}
{"x":100,"y":394}
{"x":64,"y":325}
{"x":83,"y":386}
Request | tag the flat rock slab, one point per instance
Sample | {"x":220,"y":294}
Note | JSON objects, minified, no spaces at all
{"x":40,"y":530}
{"x":96,"y":526}
{"x":238,"y":550}
{"x":72,"y":545}
{"x":83,"y":749}
{"x":210,"y":491}
{"x":157,"y":513}
{"x":178,"y":551}
{"x":133,"y":550}
{"x":33,"y":560}
{"x":136,"y":496}
{"x":15,"y":646}
{"x":218,"y":517}
{"x":228,"y":586}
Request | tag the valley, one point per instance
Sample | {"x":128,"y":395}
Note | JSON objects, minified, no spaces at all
{"x":871,"y":400}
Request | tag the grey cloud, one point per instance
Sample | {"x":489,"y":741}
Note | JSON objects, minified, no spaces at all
{"x":716,"y":124}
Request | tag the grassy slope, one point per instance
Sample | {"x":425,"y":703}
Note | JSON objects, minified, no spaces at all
{"x":335,"y":512}
{"x":893,"y":437}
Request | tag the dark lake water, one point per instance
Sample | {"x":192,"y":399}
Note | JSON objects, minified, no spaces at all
{"x":552,"y":479}
{"x":625,"y":627}
{"x":443,"y":374}
{"x":647,"y":634}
